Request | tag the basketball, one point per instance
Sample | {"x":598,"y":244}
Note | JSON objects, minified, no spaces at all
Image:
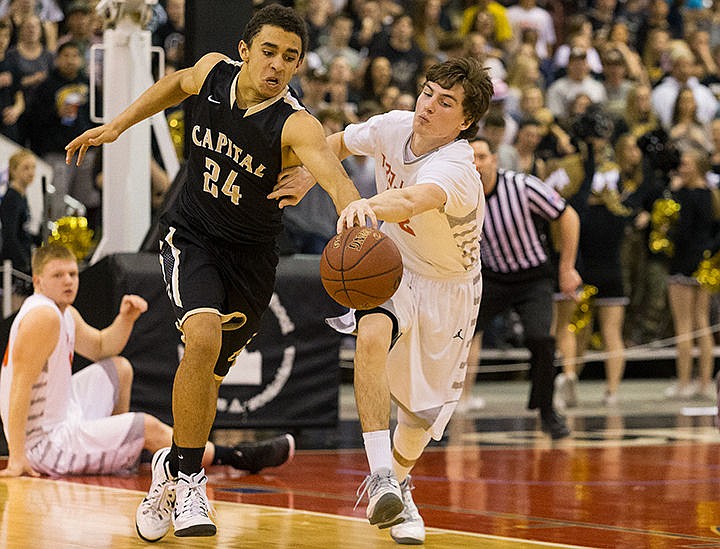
{"x":361,"y":268}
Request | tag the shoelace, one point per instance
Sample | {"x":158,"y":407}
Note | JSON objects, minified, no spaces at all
{"x":196,"y":502}
{"x":370,"y":485}
{"x":157,"y":500}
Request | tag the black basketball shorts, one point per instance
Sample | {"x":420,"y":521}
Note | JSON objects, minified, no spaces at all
{"x":236,"y":282}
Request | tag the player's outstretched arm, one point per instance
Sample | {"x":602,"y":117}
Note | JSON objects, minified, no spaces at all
{"x":395,"y":205}
{"x":166,"y":92}
{"x":304,"y":135}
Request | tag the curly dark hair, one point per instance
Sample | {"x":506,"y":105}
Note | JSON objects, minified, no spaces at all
{"x":277,"y":16}
{"x":475,"y":80}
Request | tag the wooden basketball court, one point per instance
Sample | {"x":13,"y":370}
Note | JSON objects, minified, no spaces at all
{"x":645,"y":475}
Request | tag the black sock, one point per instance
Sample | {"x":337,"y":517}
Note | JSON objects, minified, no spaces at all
{"x":189,"y":460}
{"x":173,"y":460}
{"x":225,"y":455}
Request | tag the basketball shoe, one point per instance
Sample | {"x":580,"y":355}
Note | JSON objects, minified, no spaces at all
{"x":412,"y":530}
{"x":385,"y":503}
{"x":255,"y":456}
{"x":192,"y":513}
{"x":153,"y":515}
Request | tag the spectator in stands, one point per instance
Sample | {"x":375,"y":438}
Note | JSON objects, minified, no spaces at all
{"x":523,"y":73}
{"x":340,"y":93}
{"x":376,"y":79}
{"x":682,"y":74}
{"x":501,"y":25}
{"x":617,"y":85}
{"x":367,"y":22}
{"x":528,"y":15}
{"x":405,"y":56}
{"x":48,"y":11}
{"x":555,"y":141}
{"x":526,"y":142}
{"x":57,"y":113}
{"x":425,"y":15}
{"x":170,"y":35}
{"x":338,"y":44}
{"x":656,"y":55}
{"x":318,"y":16}
{"x":690,"y":302}
{"x":62,"y":424}
{"x":639,"y":116}
{"x":313,"y":84}
{"x":78,"y":29}
{"x":493,"y":130}
{"x":485,"y":26}
{"x":17,"y":240}
{"x":12,"y":100}
{"x":619,"y":40}
{"x":476,"y":46}
{"x":686,"y":131}
{"x":578,"y":34}
{"x":578,"y":80}
{"x":29,"y":58}
{"x":602,"y":17}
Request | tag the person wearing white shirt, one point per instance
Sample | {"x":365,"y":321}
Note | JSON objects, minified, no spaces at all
{"x":681,"y":75}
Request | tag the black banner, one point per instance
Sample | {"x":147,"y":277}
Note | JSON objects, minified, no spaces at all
{"x":287,"y":377}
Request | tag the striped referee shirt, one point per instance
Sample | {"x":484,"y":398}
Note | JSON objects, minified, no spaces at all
{"x":514,"y":234}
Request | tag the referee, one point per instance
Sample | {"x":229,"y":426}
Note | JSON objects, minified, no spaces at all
{"x":517,"y":272}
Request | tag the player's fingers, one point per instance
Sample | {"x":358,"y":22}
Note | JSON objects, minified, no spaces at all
{"x":81,"y":154}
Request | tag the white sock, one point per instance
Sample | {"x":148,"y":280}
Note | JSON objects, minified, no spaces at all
{"x":377,"y":449}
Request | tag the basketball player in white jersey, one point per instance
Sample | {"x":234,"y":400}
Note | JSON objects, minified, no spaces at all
{"x":413,"y":348}
{"x":57,"y":423}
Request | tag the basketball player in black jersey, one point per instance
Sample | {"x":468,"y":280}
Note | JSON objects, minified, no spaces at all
{"x":218,"y":251}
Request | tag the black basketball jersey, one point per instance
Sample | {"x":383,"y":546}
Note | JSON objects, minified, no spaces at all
{"x":234,"y":160}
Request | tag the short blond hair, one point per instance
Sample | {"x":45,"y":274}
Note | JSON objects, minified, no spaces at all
{"x":48,"y":252}
{"x":17,"y":158}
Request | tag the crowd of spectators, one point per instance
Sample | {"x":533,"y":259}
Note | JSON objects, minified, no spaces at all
{"x":642,"y":76}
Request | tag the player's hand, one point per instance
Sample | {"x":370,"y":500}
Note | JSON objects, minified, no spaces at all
{"x":132,"y":306}
{"x":358,"y":212}
{"x":91,"y":138}
{"x":292,"y":185}
{"x":18,"y":467}
{"x":569,"y":281}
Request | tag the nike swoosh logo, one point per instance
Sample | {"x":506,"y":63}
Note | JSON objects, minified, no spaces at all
{"x":213,"y":100}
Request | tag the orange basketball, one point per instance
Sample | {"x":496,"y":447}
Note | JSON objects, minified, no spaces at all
{"x":361,"y":268}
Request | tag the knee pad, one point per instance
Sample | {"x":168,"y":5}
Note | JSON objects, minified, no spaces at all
{"x":410,"y":441}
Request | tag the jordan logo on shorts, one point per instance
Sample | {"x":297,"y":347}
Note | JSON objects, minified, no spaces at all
{"x":458,"y":335}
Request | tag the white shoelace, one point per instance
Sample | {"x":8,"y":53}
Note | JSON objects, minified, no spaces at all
{"x":159,"y":500}
{"x":196,"y":502}
{"x":370,"y":486}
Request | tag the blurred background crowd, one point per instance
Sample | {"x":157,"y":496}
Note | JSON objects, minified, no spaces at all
{"x":614,"y":103}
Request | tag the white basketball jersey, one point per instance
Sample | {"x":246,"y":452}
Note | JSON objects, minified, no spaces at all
{"x":440,"y":243}
{"x":50,"y":396}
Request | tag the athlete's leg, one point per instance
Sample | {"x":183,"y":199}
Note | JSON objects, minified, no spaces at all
{"x":195,"y":388}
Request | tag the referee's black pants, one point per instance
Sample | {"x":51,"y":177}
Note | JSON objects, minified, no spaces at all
{"x":532,"y":300}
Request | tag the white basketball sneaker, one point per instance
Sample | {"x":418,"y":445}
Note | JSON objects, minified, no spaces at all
{"x":385,"y":503}
{"x":153,"y":515}
{"x":412,"y":530}
{"x":192,"y":513}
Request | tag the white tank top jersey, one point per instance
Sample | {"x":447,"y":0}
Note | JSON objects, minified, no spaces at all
{"x":50,"y":396}
{"x":441,"y":243}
